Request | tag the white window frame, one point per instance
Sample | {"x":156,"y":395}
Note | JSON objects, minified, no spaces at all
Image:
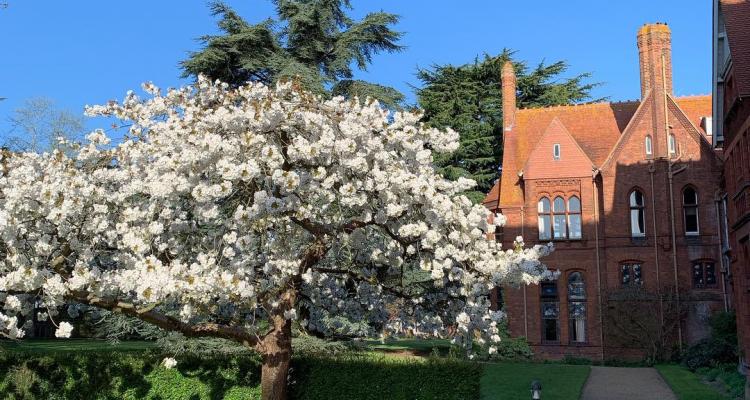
{"x":556,"y":153}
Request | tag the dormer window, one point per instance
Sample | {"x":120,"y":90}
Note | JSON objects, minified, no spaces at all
{"x":556,"y":151}
{"x":649,"y":149}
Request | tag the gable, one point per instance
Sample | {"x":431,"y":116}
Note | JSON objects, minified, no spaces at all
{"x":684,"y":115}
{"x":572,"y":161}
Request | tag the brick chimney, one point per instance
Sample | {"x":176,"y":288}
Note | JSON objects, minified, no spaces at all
{"x":655,"y":52}
{"x":508,"y":79}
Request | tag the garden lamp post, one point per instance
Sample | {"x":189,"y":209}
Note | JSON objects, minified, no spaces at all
{"x":536,"y":390}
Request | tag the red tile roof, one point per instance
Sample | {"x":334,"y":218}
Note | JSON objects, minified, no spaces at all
{"x":492,"y":199}
{"x":737,"y":21}
{"x":595,"y":127}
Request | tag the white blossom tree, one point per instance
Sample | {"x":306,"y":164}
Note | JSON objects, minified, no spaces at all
{"x":231,"y":213}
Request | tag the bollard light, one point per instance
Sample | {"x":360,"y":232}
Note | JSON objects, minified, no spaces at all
{"x":536,"y":390}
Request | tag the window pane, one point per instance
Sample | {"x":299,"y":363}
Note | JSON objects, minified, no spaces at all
{"x":559,"y":227}
{"x":549,"y":289}
{"x":636,"y":199}
{"x":710,"y":274}
{"x":550,"y":310}
{"x":543,"y":205}
{"x":545,"y":231}
{"x":559,"y":205}
{"x":698,"y":275}
{"x":637,"y":277}
{"x":672,"y":144}
{"x":550,"y":330}
{"x":578,"y":322}
{"x":574,"y":205}
{"x":648,"y":144}
{"x":576,"y":288}
{"x":637,"y":222}
{"x":689,"y":197}
{"x":575,"y":226}
{"x":625,"y":274}
{"x":691,"y":220}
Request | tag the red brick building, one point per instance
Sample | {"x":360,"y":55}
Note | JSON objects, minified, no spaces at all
{"x":626,"y":191}
{"x":731,"y":79}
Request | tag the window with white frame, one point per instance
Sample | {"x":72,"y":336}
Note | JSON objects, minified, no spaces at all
{"x":637,"y":214}
{"x":690,"y":210}
{"x":556,"y":151}
{"x":672,"y":144}
{"x":648,"y":145}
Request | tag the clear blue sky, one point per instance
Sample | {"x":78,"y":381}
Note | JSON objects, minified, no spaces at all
{"x":90,"y":51}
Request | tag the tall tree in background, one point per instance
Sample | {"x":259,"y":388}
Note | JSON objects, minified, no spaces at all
{"x":312,"y":40}
{"x":38,"y":124}
{"x":468,"y":98}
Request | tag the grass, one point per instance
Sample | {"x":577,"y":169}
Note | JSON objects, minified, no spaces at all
{"x":687,"y":385}
{"x":44,"y":346}
{"x":510,"y":381}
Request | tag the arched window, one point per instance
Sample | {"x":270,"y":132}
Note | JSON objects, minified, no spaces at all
{"x":574,"y":217}
{"x":559,"y":225}
{"x":649,"y":148}
{"x":690,"y":210}
{"x":577,"y":307}
{"x":545,"y":224}
{"x":672,"y":144}
{"x":550,"y":311}
{"x":637,"y":214}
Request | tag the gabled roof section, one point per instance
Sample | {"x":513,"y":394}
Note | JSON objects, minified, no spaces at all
{"x":737,"y":21}
{"x":492,"y":200}
{"x":595,"y":128}
{"x":689,"y":110}
{"x":617,"y":148}
{"x":573,"y":159}
{"x":695,"y":132}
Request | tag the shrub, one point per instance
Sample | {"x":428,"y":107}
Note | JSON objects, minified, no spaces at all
{"x":720,"y":348}
{"x":373,"y":377}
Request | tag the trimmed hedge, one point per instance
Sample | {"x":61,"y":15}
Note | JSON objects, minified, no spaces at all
{"x":134,"y":375}
{"x":376,"y":377}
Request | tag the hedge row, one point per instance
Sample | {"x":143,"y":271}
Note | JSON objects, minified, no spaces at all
{"x":139,"y":375}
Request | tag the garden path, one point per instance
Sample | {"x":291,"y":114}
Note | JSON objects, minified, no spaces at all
{"x":613,"y":383}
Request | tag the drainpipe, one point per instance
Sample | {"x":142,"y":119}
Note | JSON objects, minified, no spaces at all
{"x":671,"y":173}
{"x":719,"y":218}
{"x":651,"y":171}
{"x":598,"y":261}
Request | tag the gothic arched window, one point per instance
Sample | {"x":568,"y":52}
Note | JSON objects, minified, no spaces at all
{"x":577,"y":307}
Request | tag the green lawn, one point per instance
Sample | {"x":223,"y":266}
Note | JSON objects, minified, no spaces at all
{"x":511,"y":381}
{"x":687,"y":385}
{"x":42,"y":346}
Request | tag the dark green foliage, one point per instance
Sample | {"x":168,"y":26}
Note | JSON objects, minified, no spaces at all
{"x":369,"y":377}
{"x":719,"y":348}
{"x":468,"y":98}
{"x":124,"y":375}
{"x":313,"y":41}
{"x":102,"y":373}
{"x":725,"y":375}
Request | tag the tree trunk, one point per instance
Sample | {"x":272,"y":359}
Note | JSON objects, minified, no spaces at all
{"x":276,"y":349}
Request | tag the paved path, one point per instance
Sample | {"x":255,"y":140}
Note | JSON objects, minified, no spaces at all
{"x":611,"y":383}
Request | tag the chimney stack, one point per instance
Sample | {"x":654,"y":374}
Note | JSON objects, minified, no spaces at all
{"x":508,"y":79}
{"x":655,"y":52}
